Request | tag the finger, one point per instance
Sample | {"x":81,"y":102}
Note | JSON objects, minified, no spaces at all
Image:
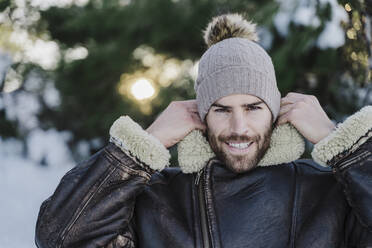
{"x":293,"y":97}
{"x":187,"y":104}
{"x":283,"y":119}
{"x":193,"y":110}
{"x":292,"y":93}
{"x":285,"y":101}
{"x":292,"y":101}
{"x":201,"y":128}
{"x":192,"y":107}
{"x":285,"y":108}
{"x":190,"y":103}
{"x":299,"y":99}
{"x":197,"y":122}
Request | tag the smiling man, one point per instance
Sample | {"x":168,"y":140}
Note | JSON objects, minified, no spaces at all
{"x":240,"y":182}
{"x":239,"y":131}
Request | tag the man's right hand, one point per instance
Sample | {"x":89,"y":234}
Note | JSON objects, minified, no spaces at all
{"x":175,"y":122}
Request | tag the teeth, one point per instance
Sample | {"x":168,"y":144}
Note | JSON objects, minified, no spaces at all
{"x":239,"y":145}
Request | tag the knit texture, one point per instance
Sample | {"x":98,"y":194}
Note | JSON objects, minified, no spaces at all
{"x":236,"y":66}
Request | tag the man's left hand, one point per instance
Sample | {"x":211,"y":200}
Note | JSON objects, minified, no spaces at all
{"x":306,"y":115}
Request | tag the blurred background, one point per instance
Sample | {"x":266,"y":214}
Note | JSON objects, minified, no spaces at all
{"x":69,"y":68}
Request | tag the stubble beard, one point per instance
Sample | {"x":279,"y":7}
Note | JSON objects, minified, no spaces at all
{"x":241,"y":163}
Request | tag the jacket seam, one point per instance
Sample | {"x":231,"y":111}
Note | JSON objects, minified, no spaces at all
{"x":123,"y":167}
{"x":211,"y":211}
{"x":82,"y":207}
{"x":146,"y":168}
{"x":343,"y":156}
{"x":196,"y":219}
{"x":348,"y":163}
{"x":294,"y":213}
{"x":203,"y":184}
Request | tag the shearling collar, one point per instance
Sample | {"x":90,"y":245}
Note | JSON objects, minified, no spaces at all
{"x":194,"y":152}
{"x":286,"y":145}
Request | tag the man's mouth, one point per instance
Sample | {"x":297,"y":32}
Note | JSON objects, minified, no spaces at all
{"x":239,"y":145}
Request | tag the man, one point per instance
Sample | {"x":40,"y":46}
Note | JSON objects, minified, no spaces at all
{"x":239,"y":184}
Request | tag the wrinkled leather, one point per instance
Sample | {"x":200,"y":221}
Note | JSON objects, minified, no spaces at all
{"x":112,"y":201}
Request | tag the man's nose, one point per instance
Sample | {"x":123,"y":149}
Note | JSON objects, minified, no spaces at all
{"x":239,"y":124}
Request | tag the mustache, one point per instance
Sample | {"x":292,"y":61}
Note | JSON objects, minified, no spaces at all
{"x":238,"y":138}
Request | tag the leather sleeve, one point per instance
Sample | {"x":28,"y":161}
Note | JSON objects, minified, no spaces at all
{"x":348,"y":151}
{"x":354,"y":172}
{"x":94,"y":203}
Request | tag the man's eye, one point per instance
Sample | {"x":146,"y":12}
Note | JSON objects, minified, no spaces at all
{"x":253,"y":108}
{"x":221,"y":110}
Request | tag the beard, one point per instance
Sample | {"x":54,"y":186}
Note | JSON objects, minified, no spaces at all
{"x":245,"y":162}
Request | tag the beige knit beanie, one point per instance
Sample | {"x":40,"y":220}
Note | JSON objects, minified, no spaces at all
{"x":234,"y":64}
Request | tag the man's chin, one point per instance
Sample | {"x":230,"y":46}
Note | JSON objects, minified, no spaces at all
{"x":242,"y":163}
{"x":240,"y":166}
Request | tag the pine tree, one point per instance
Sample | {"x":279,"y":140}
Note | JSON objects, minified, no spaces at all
{"x":106,"y":46}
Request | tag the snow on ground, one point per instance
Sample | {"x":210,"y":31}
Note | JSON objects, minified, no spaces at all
{"x":24,"y":184}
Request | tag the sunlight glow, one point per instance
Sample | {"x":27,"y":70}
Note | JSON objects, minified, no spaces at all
{"x":142,"y":89}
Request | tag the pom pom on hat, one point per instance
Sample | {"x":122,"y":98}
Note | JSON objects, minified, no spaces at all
{"x":229,"y":26}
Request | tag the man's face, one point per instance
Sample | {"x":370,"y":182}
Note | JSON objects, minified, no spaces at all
{"x":239,"y":131}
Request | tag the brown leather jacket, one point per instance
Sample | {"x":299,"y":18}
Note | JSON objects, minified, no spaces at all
{"x":115,"y":200}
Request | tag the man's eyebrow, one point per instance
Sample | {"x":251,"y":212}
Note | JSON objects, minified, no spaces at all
{"x":219,"y":105}
{"x":244,"y":105}
{"x":252,"y":104}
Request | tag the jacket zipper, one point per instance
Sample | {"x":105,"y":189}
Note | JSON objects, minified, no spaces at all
{"x":203,"y":214}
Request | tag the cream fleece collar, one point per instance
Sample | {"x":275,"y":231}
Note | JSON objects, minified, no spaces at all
{"x":286,"y":145}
